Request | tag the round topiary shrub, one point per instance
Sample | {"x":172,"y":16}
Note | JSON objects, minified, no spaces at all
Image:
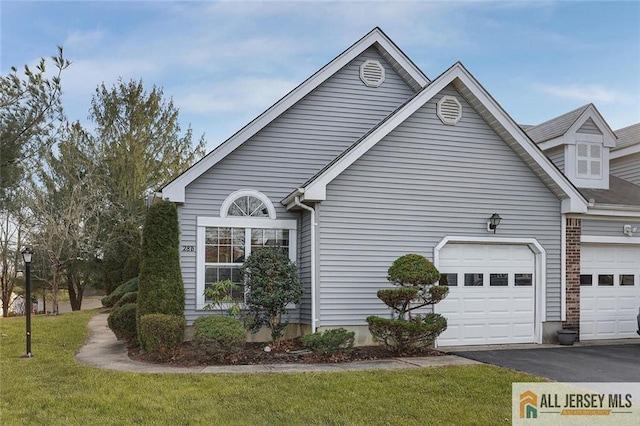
{"x":160,"y":332}
{"x":415,"y":276}
{"x":122,"y":321}
{"x":217,"y":337}
{"x":413,"y":270}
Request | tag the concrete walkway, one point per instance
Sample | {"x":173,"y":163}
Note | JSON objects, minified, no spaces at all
{"x":104,"y":351}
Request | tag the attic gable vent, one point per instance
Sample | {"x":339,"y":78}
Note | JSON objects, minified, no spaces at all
{"x":372,"y":73}
{"x":449,"y":110}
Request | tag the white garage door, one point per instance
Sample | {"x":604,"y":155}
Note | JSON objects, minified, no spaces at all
{"x":491,"y":294}
{"x":609,"y":291}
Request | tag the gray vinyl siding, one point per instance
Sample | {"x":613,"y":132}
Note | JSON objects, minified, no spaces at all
{"x":422,"y":182}
{"x":290,"y":150}
{"x":556,"y":155}
{"x":589,"y":127}
{"x":304,"y":265}
{"x":606,"y":228}
{"x":627,"y":168}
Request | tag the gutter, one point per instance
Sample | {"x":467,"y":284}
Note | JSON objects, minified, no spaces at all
{"x":314,"y":319}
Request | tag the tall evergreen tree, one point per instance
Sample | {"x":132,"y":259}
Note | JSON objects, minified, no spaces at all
{"x":30,"y":110}
{"x":160,"y":286}
{"x":142,"y":145}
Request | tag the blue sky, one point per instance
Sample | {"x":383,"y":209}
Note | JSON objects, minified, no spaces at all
{"x":226,"y":62}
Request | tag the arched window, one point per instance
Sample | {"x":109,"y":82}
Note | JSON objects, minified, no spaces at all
{"x":247,"y":203}
{"x":246,"y":223}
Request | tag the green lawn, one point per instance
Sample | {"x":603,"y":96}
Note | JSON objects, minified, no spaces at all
{"x":53,"y":389}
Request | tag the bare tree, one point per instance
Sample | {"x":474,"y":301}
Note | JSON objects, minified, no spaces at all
{"x":12,"y":230}
{"x":66,"y":203}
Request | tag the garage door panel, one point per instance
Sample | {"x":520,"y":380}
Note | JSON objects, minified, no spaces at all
{"x":522,"y":330}
{"x":499,"y":330}
{"x":484,"y":314}
{"x":607,"y":304}
{"x":609,"y":312}
{"x":628,"y":303}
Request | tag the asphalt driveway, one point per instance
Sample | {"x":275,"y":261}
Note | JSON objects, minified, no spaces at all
{"x":608,"y":363}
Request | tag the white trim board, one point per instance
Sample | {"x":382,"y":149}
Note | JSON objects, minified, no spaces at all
{"x":594,"y":239}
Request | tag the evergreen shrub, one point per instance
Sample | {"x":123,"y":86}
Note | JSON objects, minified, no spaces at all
{"x":272,"y":284}
{"x":122,"y":321}
{"x":131,"y":297}
{"x":162,"y":332}
{"x":124,"y":288}
{"x":217,"y":337}
{"x":160,"y":289}
{"x":415,"y":277}
{"x":329,"y":341}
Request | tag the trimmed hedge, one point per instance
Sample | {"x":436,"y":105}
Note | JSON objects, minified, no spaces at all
{"x":122,"y":321}
{"x":161,"y":332}
{"x":131,"y":297}
{"x":216,"y":337}
{"x":160,"y":289}
{"x":110,"y":300}
{"x":329,"y":341}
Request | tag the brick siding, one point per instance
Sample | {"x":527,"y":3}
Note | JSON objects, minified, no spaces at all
{"x":573,"y":275}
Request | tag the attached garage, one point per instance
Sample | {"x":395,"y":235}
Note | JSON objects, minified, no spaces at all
{"x":609,"y":291}
{"x":492,"y":293}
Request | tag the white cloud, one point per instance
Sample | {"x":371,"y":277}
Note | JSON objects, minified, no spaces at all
{"x":236,"y":95}
{"x":84,"y":75}
{"x":83,"y":40}
{"x":586,"y":93}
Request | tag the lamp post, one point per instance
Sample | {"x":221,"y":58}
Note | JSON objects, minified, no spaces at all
{"x":26,"y":256}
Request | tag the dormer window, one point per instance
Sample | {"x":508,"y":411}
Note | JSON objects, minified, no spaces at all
{"x":589,"y":160}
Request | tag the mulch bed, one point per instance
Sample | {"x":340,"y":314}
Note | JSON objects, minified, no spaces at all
{"x":290,"y":351}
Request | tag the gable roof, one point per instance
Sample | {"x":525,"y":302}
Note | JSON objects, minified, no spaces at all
{"x":315,"y":188}
{"x":561,"y":130}
{"x":628,"y":141}
{"x":406,"y":69}
{"x":555,"y":127}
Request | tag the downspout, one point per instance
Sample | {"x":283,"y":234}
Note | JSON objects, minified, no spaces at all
{"x":314,"y":318}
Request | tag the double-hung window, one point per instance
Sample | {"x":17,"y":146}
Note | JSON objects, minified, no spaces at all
{"x":247,"y":222}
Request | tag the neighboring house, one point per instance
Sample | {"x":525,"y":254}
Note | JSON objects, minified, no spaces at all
{"x":368,"y":160}
{"x":605,"y":167}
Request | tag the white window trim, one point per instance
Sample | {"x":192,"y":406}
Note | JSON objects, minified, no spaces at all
{"x":224,"y":209}
{"x":203,"y":222}
{"x":589,"y":159}
{"x":540,"y":270}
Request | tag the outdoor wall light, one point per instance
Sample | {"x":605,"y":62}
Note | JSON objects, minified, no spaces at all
{"x":628,"y":230}
{"x":493,"y":222}
{"x":27,"y":254}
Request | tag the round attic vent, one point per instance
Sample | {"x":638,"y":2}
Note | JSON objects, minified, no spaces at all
{"x":449,"y":110}
{"x":372,"y":73}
